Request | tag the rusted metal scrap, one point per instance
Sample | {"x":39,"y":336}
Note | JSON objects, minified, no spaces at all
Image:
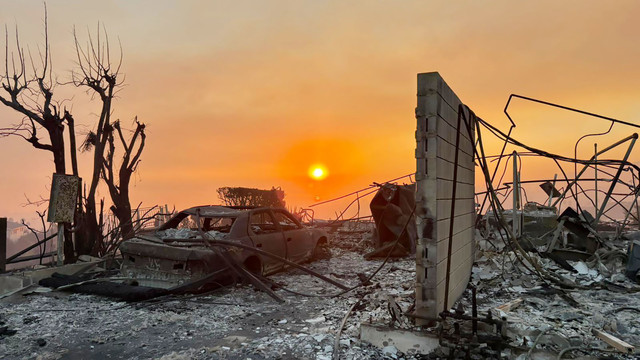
{"x":581,"y":235}
{"x":391,"y":207}
{"x":633,"y":262}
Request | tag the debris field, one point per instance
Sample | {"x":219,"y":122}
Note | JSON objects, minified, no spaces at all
{"x":239,"y":322}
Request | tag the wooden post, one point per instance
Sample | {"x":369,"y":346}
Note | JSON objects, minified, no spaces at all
{"x":60,"y":243}
{"x":3,"y":245}
{"x":62,"y":206}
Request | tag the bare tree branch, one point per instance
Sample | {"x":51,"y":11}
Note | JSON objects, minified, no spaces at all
{"x":28,"y":88}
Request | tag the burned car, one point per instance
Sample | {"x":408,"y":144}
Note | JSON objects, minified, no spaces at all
{"x":180,"y":251}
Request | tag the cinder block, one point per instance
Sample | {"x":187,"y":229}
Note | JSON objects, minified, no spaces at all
{"x":445,"y":170}
{"x":447,"y":151}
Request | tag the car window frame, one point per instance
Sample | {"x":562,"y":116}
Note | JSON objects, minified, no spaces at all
{"x":278,"y":228}
{"x":290,"y":216}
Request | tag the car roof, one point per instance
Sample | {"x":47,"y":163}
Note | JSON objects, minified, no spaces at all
{"x":219,"y":210}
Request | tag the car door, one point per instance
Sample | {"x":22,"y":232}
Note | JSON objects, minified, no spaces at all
{"x":266,"y":235}
{"x":298,"y":239}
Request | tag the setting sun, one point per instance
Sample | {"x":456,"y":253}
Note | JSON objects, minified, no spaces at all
{"x":317,"y":172}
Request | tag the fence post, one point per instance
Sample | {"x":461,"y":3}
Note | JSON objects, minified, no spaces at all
{"x":3,"y":245}
{"x":60,"y":244}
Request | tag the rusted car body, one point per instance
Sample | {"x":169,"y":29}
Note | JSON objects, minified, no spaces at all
{"x":175,"y":254}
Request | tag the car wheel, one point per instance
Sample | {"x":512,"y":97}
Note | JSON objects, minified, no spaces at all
{"x":322,"y":250}
{"x":254,"y":265}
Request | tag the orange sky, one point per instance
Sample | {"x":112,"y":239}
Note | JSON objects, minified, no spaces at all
{"x":252,"y":93}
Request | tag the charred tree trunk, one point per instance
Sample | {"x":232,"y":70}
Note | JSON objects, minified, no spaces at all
{"x":97,"y":74}
{"x":120,"y":192}
{"x":32,"y":97}
{"x":121,"y":208}
{"x":56,"y":133}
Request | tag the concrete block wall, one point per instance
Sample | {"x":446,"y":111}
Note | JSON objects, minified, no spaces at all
{"x":437,"y":121}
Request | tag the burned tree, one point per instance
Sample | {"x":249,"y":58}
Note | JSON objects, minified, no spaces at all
{"x":119,"y":192}
{"x":42,"y":245}
{"x":96,"y":74}
{"x":31,"y":94}
{"x":38,"y":112}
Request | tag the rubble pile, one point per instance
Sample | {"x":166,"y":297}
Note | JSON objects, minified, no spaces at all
{"x":352,"y":236}
{"x":185,"y":233}
{"x":558,"y":320}
{"x":543,"y":320}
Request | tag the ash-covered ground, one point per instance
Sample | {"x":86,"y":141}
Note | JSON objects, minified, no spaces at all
{"x":232,"y":323}
{"x":241,"y":323}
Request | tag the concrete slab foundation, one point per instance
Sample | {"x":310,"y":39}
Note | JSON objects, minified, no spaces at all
{"x":14,"y":281}
{"x":404,"y":340}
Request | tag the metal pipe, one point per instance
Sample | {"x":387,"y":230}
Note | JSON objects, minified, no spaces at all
{"x":615,"y":178}
{"x":637,"y":210}
{"x":355,"y":192}
{"x":515,"y":194}
{"x":595,"y":157}
{"x":553,"y":186}
{"x":555,"y":178}
{"x":495,"y":171}
{"x":620,"y":142}
{"x":617,"y":202}
{"x":504,"y":147}
{"x":273,"y":256}
{"x":474,"y":310}
{"x":60,"y":255}
{"x":31,"y":257}
{"x":632,"y":137}
{"x":453,"y":207}
{"x":566,"y":108}
{"x":495,"y":190}
{"x":626,"y":217}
